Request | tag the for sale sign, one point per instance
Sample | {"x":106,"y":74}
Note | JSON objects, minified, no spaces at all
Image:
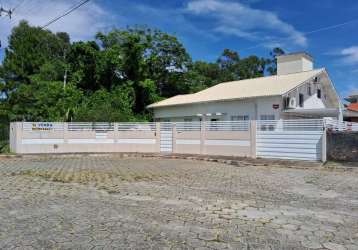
{"x":42,"y":126}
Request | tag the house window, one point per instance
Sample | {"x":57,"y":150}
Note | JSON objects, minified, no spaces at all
{"x":286,"y":102}
{"x":309,"y":90}
{"x":213,"y":124}
{"x":301,"y":100}
{"x":319,"y":94}
{"x":187,"y":124}
{"x":239,"y":118}
{"x":264,"y":126}
{"x":267,"y":117}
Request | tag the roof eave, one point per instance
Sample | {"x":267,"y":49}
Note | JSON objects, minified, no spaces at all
{"x":218,"y":100}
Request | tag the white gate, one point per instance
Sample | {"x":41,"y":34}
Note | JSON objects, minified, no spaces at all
{"x":290,"y":139}
{"x":166,"y":137}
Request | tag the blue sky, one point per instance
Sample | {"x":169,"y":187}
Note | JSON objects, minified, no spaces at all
{"x":206,"y":27}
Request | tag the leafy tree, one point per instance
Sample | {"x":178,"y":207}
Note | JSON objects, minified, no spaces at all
{"x":107,"y":106}
{"x":43,"y":101}
{"x":272,"y":63}
{"x":145,"y":54}
{"x":112,"y":78}
{"x":251,"y":67}
{"x":82,"y":60}
{"x":29,"y":49}
{"x":202,"y":75}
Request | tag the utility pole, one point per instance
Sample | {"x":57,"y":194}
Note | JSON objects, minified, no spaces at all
{"x":6,"y":12}
{"x":65,"y":75}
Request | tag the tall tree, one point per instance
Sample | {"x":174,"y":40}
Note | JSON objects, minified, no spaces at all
{"x":272,"y":62}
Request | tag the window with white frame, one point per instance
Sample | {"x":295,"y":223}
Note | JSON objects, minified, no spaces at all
{"x":267,"y":117}
{"x":269,"y":127}
{"x":187,"y":124}
{"x":240,"y":118}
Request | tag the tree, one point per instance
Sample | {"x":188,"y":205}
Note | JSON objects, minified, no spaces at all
{"x":112,"y":78}
{"x":29,"y":49}
{"x":202,"y":75}
{"x":145,"y":54}
{"x":272,"y":63}
{"x":43,"y":101}
{"x":82,"y":59}
{"x":107,"y":106}
{"x":251,"y":67}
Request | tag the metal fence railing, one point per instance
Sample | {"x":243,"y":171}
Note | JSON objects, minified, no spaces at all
{"x":90,"y":126}
{"x":137,"y":126}
{"x":188,"y":126}
{"x":290,"y":125}
{"x":227,"y":126}
{"x":261,"y":125}
{"x":336,"y":125}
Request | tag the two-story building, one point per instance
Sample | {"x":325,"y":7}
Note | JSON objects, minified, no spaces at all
{"x":297,"y":91}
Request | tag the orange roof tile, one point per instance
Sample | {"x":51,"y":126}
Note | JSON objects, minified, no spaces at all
{"x":353,"y":107}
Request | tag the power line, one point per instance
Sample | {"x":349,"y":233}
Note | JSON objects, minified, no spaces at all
{"x":65,"y":14}
{"x":18,"y":5}
{"x":304,"y":33}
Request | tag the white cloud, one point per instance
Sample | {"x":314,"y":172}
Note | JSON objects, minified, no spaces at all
{"x":350,"y":55}
{"x":241,"y":20}
{"x":83,"y":23}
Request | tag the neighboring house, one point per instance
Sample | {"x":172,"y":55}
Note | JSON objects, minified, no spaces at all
{"x":351,"y":111}
{"x":297,"y":91}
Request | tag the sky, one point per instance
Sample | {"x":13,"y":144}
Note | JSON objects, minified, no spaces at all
{"x":207,"y":27}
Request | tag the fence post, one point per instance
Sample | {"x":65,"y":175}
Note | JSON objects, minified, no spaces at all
{"x":116,"y":132}
{"x":12,"y":137}
{"x":16,"y":137}
{"x":202,"y":136}
{"x":65,"y":132}
{"x":253,"y":129}
{"x":324,"y":146}
{"x":174,"y":133}
{"x":157,"y":132}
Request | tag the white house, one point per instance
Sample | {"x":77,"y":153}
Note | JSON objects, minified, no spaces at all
{"x":297,"y":91}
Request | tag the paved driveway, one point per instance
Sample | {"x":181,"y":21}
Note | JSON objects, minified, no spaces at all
{"x":108,"y":202}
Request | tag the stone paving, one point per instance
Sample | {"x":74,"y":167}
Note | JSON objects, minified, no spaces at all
{"x":109,"y":202}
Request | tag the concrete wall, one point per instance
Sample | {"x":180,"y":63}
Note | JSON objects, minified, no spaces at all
{"x":342,"y":146}
{"x":230,"y":143}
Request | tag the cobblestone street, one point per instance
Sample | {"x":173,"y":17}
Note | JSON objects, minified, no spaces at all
{"x":107,"y":202}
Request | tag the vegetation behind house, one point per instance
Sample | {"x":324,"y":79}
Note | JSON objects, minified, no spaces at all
{"x":46,"y":77}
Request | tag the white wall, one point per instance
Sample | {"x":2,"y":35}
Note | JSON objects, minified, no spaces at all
{"x":310,"y":101}
{"x":251,"y":107}
{"x":293,"y":64}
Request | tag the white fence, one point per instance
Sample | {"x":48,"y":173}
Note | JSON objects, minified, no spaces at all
{"x":336,"y":125}
{"x":283,"y":139}
{"x":290,"y":139}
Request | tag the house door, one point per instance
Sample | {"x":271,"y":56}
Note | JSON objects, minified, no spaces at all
{"x":166,"y":137}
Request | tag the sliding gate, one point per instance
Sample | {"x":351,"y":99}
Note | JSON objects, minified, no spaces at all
{"x":290,"y":139}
